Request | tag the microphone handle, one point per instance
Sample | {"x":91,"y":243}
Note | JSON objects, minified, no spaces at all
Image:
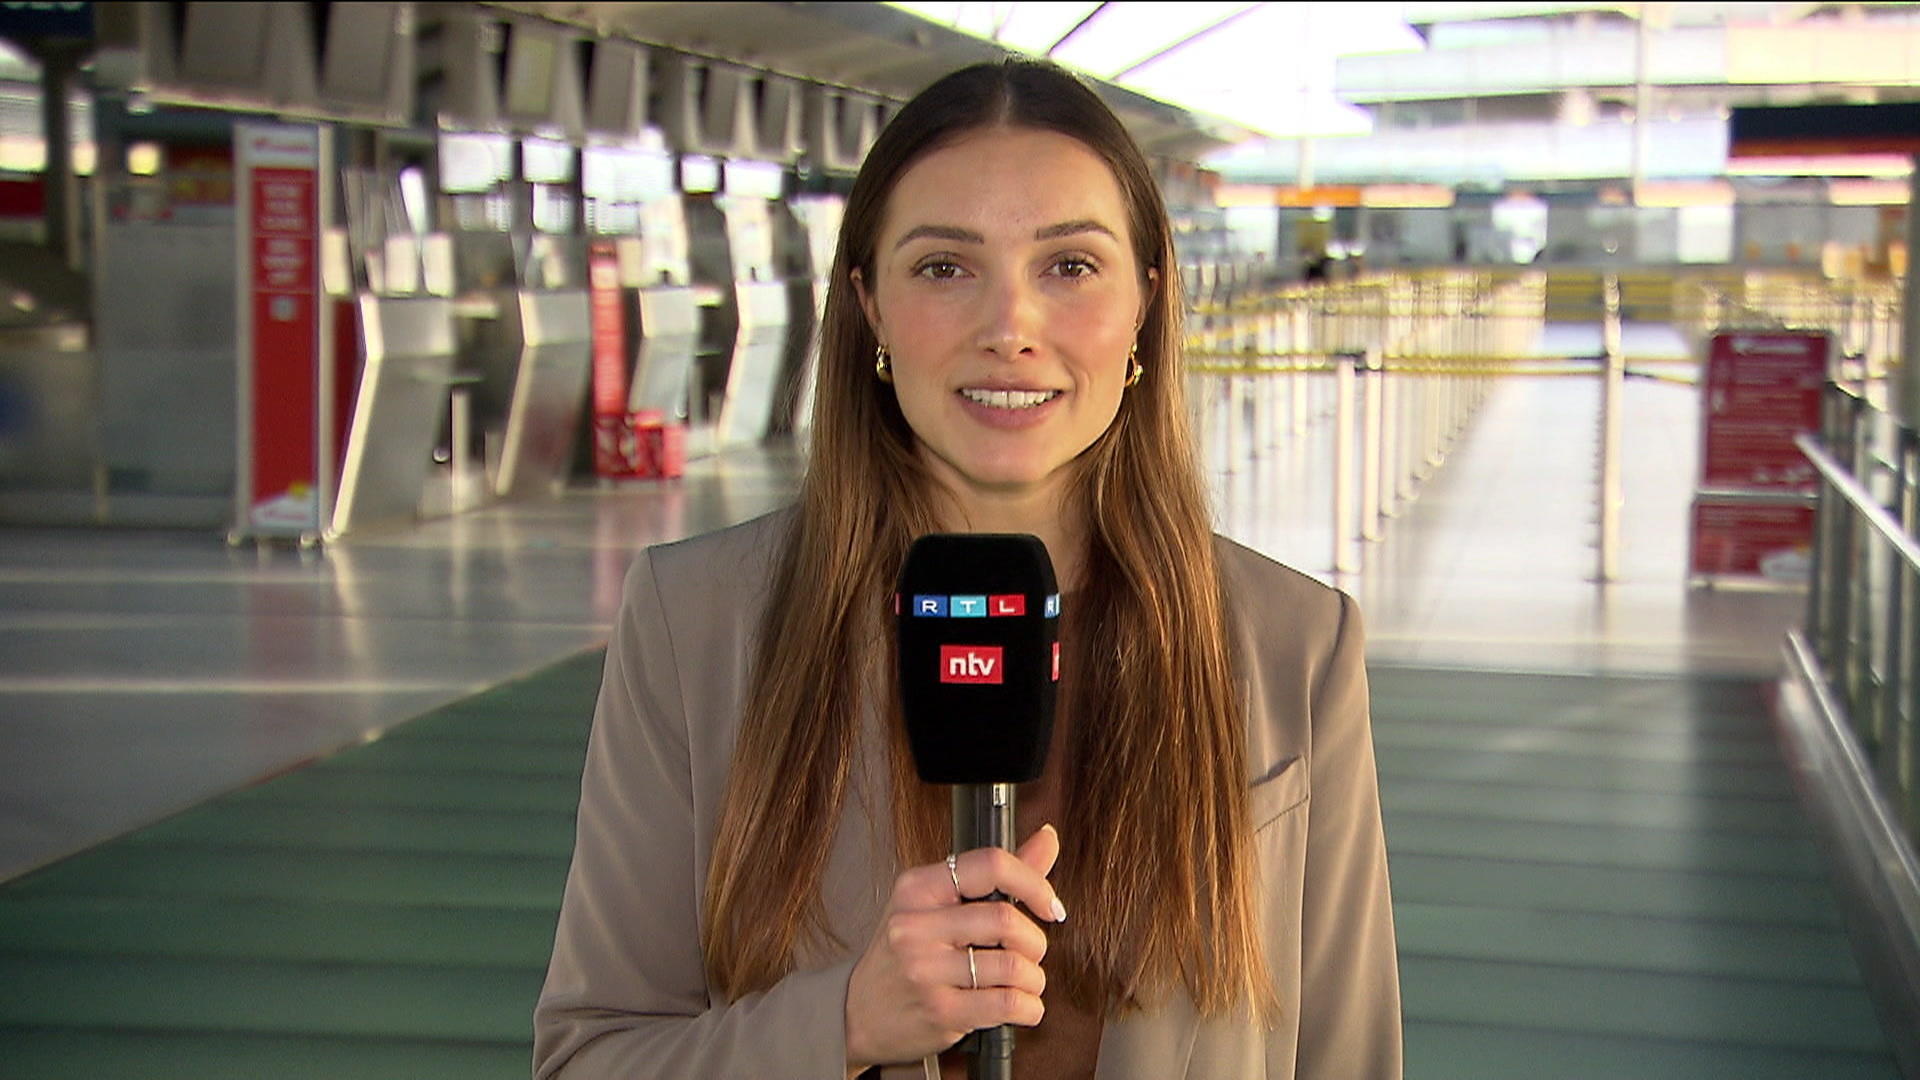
{"x":983,"y":817}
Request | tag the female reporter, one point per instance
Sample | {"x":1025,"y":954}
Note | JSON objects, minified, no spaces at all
{"x":760,"y":886}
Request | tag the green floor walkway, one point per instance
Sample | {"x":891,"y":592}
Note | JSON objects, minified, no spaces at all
{"x":1609,"y":877}
{"x":1593,"y":878}
{"x":386,"y":913}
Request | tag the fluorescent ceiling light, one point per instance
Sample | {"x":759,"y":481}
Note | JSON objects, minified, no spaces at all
{"x":1822,"y":165}
{"x":1677,"y":193}
{"x":1407,"y":196}
{"x":1867,"y":193}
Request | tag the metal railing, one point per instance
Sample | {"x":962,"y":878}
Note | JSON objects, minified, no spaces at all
{"x":1400,"y":363}
{"x":1850,"y":700}
{"x":1849,"y":704}
{"x":1863,"y":613}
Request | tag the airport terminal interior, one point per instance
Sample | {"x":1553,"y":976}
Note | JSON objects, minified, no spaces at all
{"x":350,"y":352}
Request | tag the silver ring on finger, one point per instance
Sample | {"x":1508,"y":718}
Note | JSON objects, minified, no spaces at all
{"x":953,"y":871}
{"x":973,"y":970}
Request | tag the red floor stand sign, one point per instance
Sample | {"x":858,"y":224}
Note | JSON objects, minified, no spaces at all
{"x":1753,"y":511}
{"x":627,"y":444}
{"x":1741,"y":539}
{"x":611,"y":435}
{"x":283,"y":391}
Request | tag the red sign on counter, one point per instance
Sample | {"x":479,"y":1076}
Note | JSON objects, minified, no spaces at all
{"x":1752,"y":539}
{"x":1760,"y":390}
{"x":626,"y":443}
{"x":277,"y":169}
{"x":609,"y":330}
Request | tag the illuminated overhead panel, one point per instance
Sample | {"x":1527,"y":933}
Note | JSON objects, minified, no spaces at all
{"x":706,"y":107}
{"x":257,"y":55}
{"x":777,"y":127}
{"x":840,"y":128}
{"x":460,"y":70}
{"x":367,"y":65}
{"x":348,"y":62}
{"x":135,"y":49}
{"x":541,"y":88}
{"x":616,"y":89}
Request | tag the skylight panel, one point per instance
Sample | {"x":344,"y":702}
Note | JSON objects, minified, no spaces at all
{"x":1031,"y":28}
{"x":1265,"y":66}
{"x":1272,"y":69}
{"x":1127,"y":33}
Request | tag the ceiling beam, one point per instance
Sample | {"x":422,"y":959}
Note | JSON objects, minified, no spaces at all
{"x":1077,"y":27}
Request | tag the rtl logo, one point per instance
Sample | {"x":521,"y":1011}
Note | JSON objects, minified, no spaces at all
{"x":979,"y":606}
{"x":972,"y":664}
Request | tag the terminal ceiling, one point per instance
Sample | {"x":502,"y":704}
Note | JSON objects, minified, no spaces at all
{"x":1242,"y":85}
{"x":876,"y":48}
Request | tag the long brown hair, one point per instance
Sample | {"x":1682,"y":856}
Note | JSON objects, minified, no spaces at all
{"x":1162,"y":888}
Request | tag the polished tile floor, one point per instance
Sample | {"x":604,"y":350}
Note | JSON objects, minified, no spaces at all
{"x":1604,"y":877}
{"x":145,"y":672}
{"x":1494,"y":562}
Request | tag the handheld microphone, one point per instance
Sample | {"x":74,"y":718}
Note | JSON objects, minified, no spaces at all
{"x":979,"y":666}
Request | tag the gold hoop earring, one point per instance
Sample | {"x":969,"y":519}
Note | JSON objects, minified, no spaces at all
{"x":880,"y":369}
{"x":1135,"y":368}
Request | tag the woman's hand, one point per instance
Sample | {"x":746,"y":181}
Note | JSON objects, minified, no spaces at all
{"x":913,"y":993}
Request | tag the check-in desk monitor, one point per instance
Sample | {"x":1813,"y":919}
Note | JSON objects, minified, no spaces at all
{"x":633,"y":189}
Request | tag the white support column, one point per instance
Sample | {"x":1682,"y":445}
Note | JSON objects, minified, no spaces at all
{"x":1389,"y":446}
{"x":1230,"y":391}
{"x":1613,"y":376}
{"x":1345,"y":557}
{"x":1410,"y":450}
{"x":1370,"y":417}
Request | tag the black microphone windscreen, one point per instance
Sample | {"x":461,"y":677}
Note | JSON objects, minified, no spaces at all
{"x":979,"y":656}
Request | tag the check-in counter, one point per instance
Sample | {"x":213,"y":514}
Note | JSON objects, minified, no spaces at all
{"x":407,"y":364}
{"x":666,"y":335}
{"x":49,"y":441}
{"x":541,"y":376}
{"x":732,"y":241}
{"x":754,"y":374}
{"x":810,"y":250}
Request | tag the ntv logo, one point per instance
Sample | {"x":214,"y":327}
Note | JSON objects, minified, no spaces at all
{"x":972,"y":664}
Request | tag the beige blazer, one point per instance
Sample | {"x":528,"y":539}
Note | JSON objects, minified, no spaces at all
{"x":626,"y":996}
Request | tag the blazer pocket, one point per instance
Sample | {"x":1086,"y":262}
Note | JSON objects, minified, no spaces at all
{"x":1278,"y":792}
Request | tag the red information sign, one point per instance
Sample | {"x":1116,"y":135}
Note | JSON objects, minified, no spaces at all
{"x":1761,"y":390}
{"x":1752,"y":539}
{"x":278,"y":169}
{"x":639,"y":445}
{"x":609,"y":330}
{"x":626,"y":443}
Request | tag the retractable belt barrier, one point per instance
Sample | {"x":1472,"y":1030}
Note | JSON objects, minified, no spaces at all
{"x":1413,"y":357}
